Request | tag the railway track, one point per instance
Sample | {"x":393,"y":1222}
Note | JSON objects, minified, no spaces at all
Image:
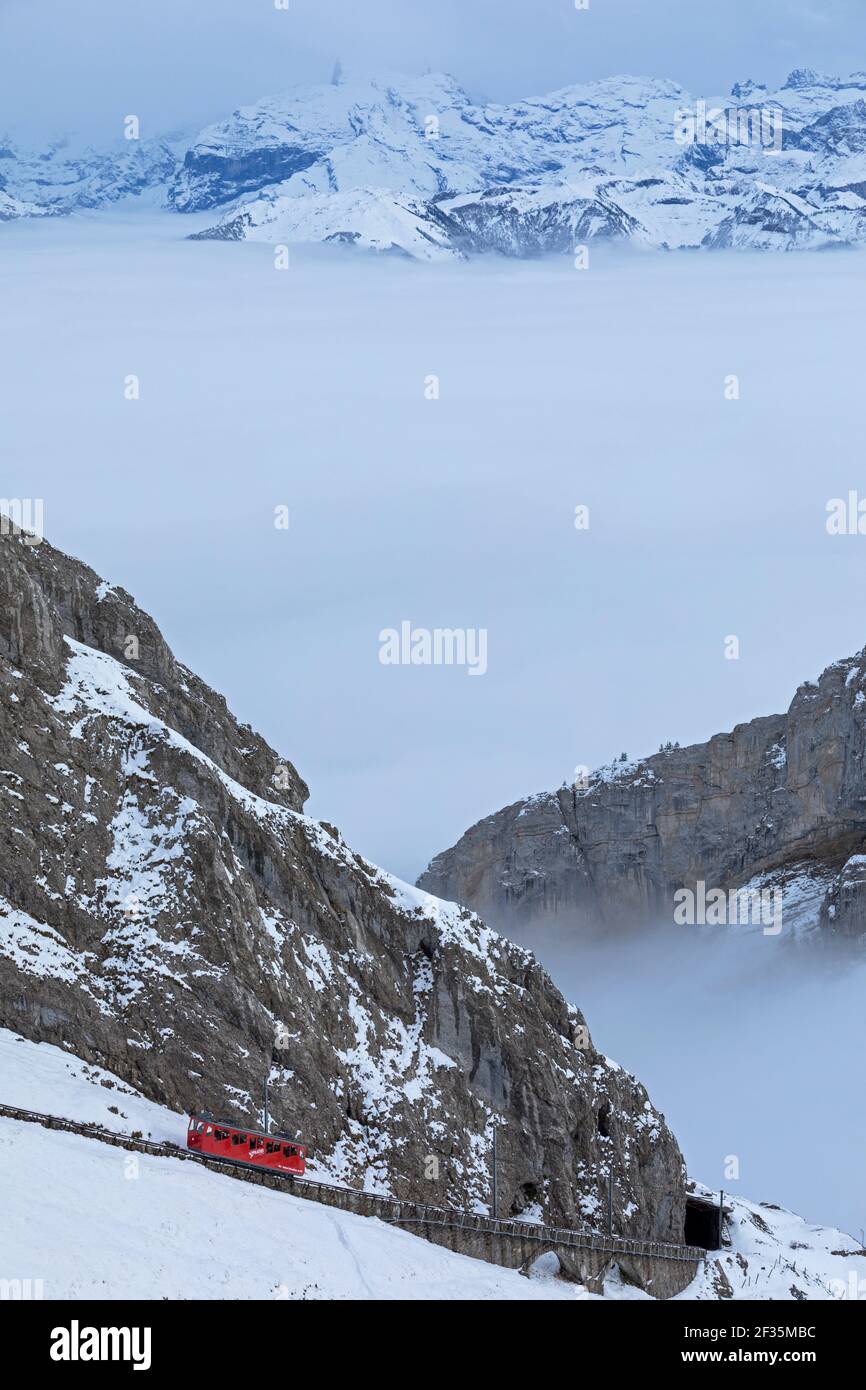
{"x":392,"y":1210}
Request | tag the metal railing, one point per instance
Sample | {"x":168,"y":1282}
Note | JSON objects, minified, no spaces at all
{"x":401,"y":1212}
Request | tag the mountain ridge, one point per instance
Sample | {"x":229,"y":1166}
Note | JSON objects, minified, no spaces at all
{"x":777,"y":803}
{"x":374,"y":162}
{"x":169,"y":913}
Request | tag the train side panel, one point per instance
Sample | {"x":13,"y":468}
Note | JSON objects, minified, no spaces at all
{"x":273,"y":1152}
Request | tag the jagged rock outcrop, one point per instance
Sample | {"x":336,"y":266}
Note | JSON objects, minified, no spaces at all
{"x":167,"y":911}
{"x":778,"y":803}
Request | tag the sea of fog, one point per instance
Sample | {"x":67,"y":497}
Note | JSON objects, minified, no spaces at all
{"x":558,"y":388}
{"x":751,"y":1045}
{"x":308,"y":389}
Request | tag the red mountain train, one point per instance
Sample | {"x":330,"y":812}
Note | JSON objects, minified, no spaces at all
{"x":247,"y":1146}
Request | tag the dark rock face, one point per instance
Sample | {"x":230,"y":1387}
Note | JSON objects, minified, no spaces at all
{"x":167,"y":911}
{"x":839,"y":132}
{"x":767,"y":221}
{"x":779,"y":802}
{"x":210,"y":179}
{"x":531,"y":222}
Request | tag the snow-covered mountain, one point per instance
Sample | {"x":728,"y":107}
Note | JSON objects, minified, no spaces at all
{"x":168,"y":1230}
{"x":169,"y":913}
{"x":56,"y":181}
{"x":775,"y":807}
{"x":627,"y":158}
{"x":295,"y":1249}
{"x":414,"y":165}
{"x":423,"y":137}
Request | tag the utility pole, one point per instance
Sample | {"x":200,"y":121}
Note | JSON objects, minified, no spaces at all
{"x":267,"y":1126}
{"x":610,"y":1199}
{"x":495,"y":1175}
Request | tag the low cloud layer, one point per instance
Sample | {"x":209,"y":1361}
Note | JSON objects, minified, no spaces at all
{"x":84,"y":67}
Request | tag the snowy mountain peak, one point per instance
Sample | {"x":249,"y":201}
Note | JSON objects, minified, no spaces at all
{"x":748,"y":90}
{"x":807,"y":77}
{"x":372,"y":161}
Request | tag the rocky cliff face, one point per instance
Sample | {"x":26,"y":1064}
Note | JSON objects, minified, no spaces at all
{"x":778,"y":804}
{"x":167,"y":911}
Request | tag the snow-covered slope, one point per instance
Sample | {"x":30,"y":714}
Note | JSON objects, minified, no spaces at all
{"x":57,"y":181}
{"x":774,"y":1254}
{"x":52,"y":1081}
{"x":170,"y":1230}
{"x":412,"y":164}
{"x":372,"y":219}
{"x":424,"y":137}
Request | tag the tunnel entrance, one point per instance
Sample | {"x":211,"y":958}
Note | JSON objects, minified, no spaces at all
{"x":703,"y":1223}
{"x":526,"y":1198}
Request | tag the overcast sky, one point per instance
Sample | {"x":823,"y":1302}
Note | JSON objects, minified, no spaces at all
{"x":81,"y":65}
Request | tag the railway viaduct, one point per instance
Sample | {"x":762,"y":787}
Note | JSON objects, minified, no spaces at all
{"x":584,"y":1256}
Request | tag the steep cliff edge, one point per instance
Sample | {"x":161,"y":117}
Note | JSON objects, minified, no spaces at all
{"x":778,"y":804}
{"x":167,"y":912}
